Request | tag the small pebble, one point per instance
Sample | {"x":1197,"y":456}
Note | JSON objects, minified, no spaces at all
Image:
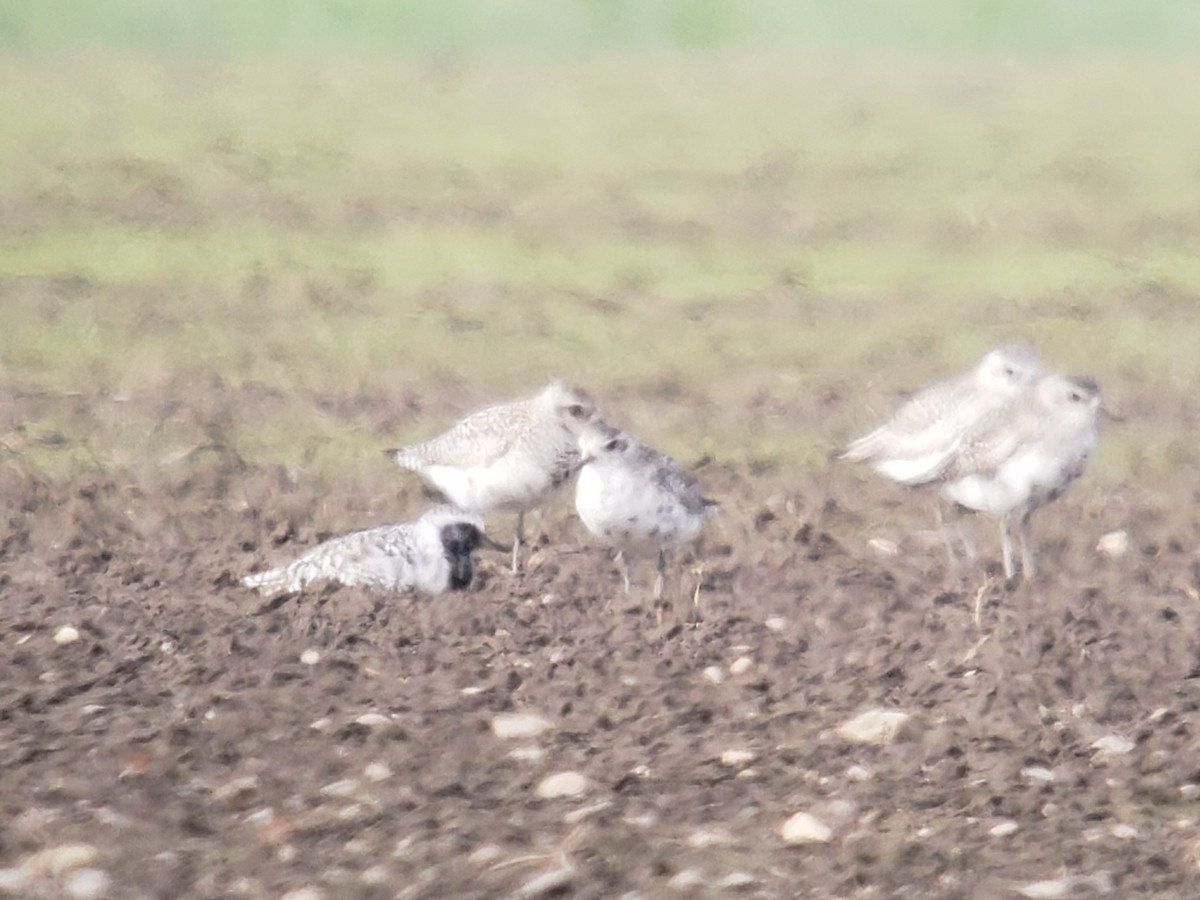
{"x":562,"y":784}
{"x":741,"y":666}
{"x":508,"y":726}
{"x":488,"y":853}
{"x":377,"y":771}
{"x":1115,"y":544}
{"x":87,"y":884}
{"x":803,"y":828}
{"x":709,"y":837}
{"x":1123,"y":831}
{"x":310,"y":657}
{"x":373,"y":720}
{"x":346,"y":788}
{"x":553,"y":882}
{"x":713,"y":675}
{"x":530,"y":753}
{"x":776,"y":623}
{"x":858,"y":773}
{"x":66,"y":635}
{"x":64,"y":858}
{"x":1113,"y":745}
{"x":305,"y":893}
{"x":1003,"y":829}
{"x":884,"y":548}
{"x":1038,"y":773}
{"x":375,"y":876}
{"x":875,"y":726}
{"x":686,"y":880}
{"x":737,"y":880}
{"x":737,"y":758}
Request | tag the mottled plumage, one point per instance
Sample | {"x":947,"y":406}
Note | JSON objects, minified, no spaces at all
{"x":508,"y":457}
{"x":636,"y":498}
{"x":916,"y":444}
{"x":433,"y":554}
{"x":1024,"y":455}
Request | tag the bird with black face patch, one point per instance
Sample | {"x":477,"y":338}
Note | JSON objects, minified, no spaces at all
{"x":508,"y":457}
{"x":637,"y":499}
{"x":432,"y":554}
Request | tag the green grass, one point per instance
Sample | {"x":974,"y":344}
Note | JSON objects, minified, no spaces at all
{"x":568,"y":28}
{"x":748,"y":255}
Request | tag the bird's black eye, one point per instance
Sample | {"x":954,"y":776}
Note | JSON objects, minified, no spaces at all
{"x":576,"y":411}
{"x":1010,"y":371}
{"x":616,"y":445}
{"x":1076,"y":397}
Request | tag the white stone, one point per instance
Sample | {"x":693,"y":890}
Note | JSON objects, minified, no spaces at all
{"x":884,"y":548}
{"x":310,"y":657}
{"x":375,"y":876}
{"x":686,"y":880}
{"x":321,"y":724}
{"x":737,"y":880}
{"x":64,"y":858}
{"x":1115,"y":544}
{"x":377,"y":771}
{"x":471,"y":690}
{"x":15,"y":881}
{"x":858,"y":773}
{"x":1113,"y":745}
{"x":1123,"y":831}
{"x":551,"y":882}
{"x":510,"y":726}
{"x":709,"y":837}
{"x":345,"y":789}
{"x":1038,"y":773}
{"x":875,"y":726}
{"x":575,"y":816}
{"x":87,"y":884}
{"x":563,"y":784}
{"x":372,"y":720}
{"x":803,"y":828}
{"x":737,"y":758}
{"x":308,"y":892}
{"x":776,"y":623}
{"x":66,"y":635}
{"x":713,"y":675}
{"x":482,"y":856}
{"x":1052,"y":889}
{"x":1003,"y":829}
{"x":530,"y":753}
{"x":741,"y":666}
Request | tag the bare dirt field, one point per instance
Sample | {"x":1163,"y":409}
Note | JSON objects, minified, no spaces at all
{"x":184,"y":745}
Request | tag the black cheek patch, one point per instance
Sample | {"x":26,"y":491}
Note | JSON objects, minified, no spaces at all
{"x":459,"y":541}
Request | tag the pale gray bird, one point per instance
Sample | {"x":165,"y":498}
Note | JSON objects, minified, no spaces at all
{"x":508,"y":457}
{"x":922,"y":437}
{"x":637,"y":499}
{"x":1024,"y":455}
{"x":432,"y":554}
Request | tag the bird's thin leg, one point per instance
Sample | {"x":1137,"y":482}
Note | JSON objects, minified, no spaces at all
{"x":660,"y":578}
{"x":518,"y":536}
{"x":623,"y":567}
{"x":1006,"y":547}
{"x":1028,"y":565}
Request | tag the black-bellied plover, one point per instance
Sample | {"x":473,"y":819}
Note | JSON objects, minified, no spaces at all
{"x":637,"y":499}
{"x":922,"y":437}
{"x":433,"y":554}
{"x":1024,"y":455}
{"x":509,"y":457}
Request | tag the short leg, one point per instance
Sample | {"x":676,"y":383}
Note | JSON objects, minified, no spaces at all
{"x":517,"y":538}
{"x":1006,"y":548}
{"x":1028,"y":565}
{"x":623,"y":567}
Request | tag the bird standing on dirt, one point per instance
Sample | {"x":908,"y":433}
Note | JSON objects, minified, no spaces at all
{"x":509,"y":457}
{"x":433,"y":554}
{"x":921,"y":438}
{"x":636,"y":498}
{"x":1023,"y":456}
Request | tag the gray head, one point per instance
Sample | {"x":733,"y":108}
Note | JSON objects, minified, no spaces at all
{"x":1009,"y":368}
{"x":601,"y":441}
{"x":570,"y":406}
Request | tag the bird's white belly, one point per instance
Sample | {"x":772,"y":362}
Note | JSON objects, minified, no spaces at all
{"x":627,"y":511}
{"x":1013,"y":484}
{"x":507,"y":485}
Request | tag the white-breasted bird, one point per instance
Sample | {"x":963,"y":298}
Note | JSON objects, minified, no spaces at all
{"x":637,"y":499}
{"x":1024,"y":455}
{"x":920,"y":439}
{"x":432,"y":554}
{"x":508,"y":457}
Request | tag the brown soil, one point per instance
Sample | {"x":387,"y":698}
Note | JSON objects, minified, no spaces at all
{"x":182,"y":737}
